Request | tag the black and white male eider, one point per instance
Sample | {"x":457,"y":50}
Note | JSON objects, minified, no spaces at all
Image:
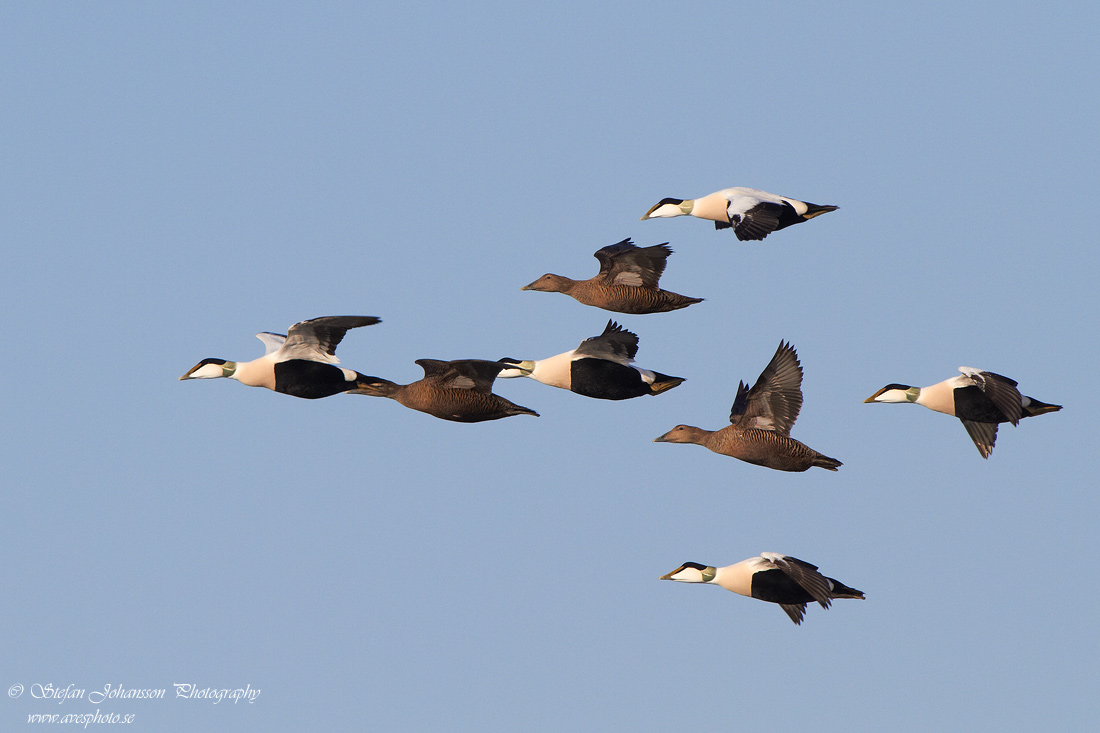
{"x":601,"y":367}
{"x":760,"y":421}
{"x":771,"y":577}
{"x":980,"y":399}
{"x":301,"y":364}
{"x":751,"y":213}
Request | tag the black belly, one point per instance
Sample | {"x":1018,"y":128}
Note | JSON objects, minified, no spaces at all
{"x":972,"y":404}
{"x":310,"y":379}
{"x":777,"y":587}
{"x":606,"y":380}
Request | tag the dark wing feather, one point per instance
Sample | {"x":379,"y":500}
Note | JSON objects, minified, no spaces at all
{"x":759,"y":221}
{"x":324,"y":333}
{"x":740,"y":402}
{"x":625,"y":264}
{"x":775,"y":400}
{"x":795,"y":610}
{"x":475,"y":374}
{"x":433,"y":368}
{"x":806,"y":575}
{"x":984,"y":435}
{"x":1002,"y":392}
{"x":615,"y":344}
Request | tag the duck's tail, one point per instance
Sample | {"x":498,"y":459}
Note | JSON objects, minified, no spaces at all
{"x":663,"y":383}
{"x":1033,"y":407}
{"x":840,"y":590}
{"x":829,"y":464}
{"x":813,"y":210}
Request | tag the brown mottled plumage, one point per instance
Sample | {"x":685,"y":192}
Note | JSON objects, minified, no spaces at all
{"x":459,"y":390}
{"x":627,"y":281}
{"x":761,"y":420}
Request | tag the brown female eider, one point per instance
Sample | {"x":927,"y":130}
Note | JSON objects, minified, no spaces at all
{"x":626,"y":283}
{"x":459,"y":390}
{"x":761,"y":420}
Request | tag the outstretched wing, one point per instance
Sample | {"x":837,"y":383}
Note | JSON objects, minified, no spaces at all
{"x":475,"y":374}
{"x":614,"y":344}
{"x":626,"y":264}
{"x":775,"y":400}
{"x":317,"y":338}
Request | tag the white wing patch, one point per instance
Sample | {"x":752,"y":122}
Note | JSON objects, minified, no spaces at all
{"x":762,"y":422}
{"x":272,"y":341}
{"x":738,"y":205}
{"x":307,"y":348}
{"x":628,"y":277}
{"x":774,"y":557}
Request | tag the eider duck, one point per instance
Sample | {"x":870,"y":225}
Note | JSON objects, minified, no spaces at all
{"x":771,"y":577}
{"x":301,"y":363}
{"x":626,"y":283}
{"x":459,"y":390}
{"x":761,"y":420}
{"x":751,"y":213}
{"x":978,"y":398}
{"x":600,"y":367}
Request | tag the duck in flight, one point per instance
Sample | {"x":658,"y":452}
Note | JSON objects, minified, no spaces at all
{"x":751,"y":213}
{"x":626,"y":283}
{"x":459,"y":390}
{"x":601,"y":367}
{"x":301,"y":363}
{"x":980,"y":399}
{"x":760,"y":421}
{"x":771,"y":577}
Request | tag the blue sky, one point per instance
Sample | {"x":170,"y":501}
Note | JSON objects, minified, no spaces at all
{"x":176,"y":179}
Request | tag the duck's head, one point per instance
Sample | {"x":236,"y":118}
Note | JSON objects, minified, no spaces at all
{"x":895,"y":393}
{"x":692,"y":572}
{"x":682,"y":434}
{"x":666,"y":208}
{"x":515,"y":368}
{"x":211,"y":369}
{"x":549,"y":283}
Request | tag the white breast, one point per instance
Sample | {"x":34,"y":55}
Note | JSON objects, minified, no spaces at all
{"x":941,"y":397}
{"x":257,"y":373}
{"x":554,"y":370}
{"x":738,"y":577}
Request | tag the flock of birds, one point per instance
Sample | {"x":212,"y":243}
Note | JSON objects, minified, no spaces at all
{"x":303,"y":363}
